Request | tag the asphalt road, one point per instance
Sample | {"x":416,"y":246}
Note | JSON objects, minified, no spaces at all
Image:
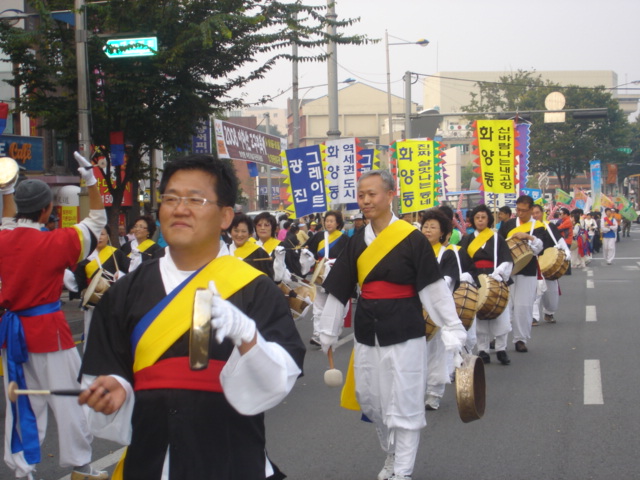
{"x":564,"y":410}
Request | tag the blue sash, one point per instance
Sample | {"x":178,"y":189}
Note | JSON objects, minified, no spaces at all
{"x":12,"y":333}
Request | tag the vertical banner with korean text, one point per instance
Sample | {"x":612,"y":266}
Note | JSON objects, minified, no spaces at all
{"x":596,"y":183}
{"x":304,"y":169}
{"x":496,"y":151}
{"x":523,"y":134}
{"x":341,"y":158}
{"x":419,"y":164}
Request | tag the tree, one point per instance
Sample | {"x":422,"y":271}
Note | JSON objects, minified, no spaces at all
{"x":206,"y":49}
{"x":562,"y":148}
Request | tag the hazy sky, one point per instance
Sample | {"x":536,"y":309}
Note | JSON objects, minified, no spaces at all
{"x":474,"y":35}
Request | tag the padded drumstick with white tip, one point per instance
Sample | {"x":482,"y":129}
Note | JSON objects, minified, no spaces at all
{"x":333,"y":376}
{"x":13,"y":392}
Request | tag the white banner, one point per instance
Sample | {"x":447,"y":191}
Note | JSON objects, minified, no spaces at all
{"x":341,"y":170}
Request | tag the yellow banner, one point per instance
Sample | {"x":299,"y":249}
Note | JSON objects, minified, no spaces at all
{"x":496,"y":150}
{"x":417,"y":174}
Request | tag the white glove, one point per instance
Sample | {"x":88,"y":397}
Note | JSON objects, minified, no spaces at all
{"x":85,"y":170}
{"x":454,"y":337}
{"x":278,"y":264}
{"x":307,"y":260}
{"x":9,"y":188}
{"x":496,"y":276}
{"x":457,"y":360}
{"x":229,"y":321}
{"x":327,"y":268}
{"x":328,"y":341}
{"x":466,"y":277}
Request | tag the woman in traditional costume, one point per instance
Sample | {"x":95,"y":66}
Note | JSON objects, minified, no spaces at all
{"x":142,"y":248}
{"x":241,"y":230}
{"x":105,"y":260}
{"x":490,"y":255}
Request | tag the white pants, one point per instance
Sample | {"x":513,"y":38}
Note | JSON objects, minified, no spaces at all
{"x":522,"y":296}
{"x":609,"y":249}
{"x":390,"y":386}
{"x":51,"y":371}
{"x":549,"y":292}
{"x":318,"y":307}
{"x":439,"y":365}
{"x":497,"y":328}
{"x":576,"y":260}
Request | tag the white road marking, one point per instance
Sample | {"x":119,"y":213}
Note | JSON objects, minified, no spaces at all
{"x":590,"y":284}
{"x":592,"y":383}
{"x":589,"y":273}
{"x":345,"y":339}
{"x":104,"y":462}
{"x":591,"y":314}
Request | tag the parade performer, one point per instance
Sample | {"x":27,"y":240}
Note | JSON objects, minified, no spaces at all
{"x":188,"y":423}
{"x":141,"y":248}
{"x":112,"y":262}
{"x":490,"y":255}
{"x":609,"y":227}
{"x":332,"y":241}
{"x":38,"y":347}
{"x":523,"y":289}
{"x":241,"y":230}
{"x":548,"y":291}
{"x":398,"y":274}
{"x":285,"y":260}
{"x":436,"y":227}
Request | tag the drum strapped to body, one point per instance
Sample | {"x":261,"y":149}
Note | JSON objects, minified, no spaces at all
{"x":297,"y":294}
{"x":466,"y":300}
{"x":493,"y":297}
{"x":520,"y":252}
{"x":470,"y":388}
{"x":430,"y":326}
{"x":93,"y":293}
{"x":553,"y":263}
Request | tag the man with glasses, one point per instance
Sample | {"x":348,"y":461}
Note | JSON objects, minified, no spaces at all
{"x":186,"y":422}
{"x":523,"y":288}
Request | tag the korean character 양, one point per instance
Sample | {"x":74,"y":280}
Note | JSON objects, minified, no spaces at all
{"x":300,"y":195}
{"x":334,"y":171}
{"x":295,"y":165}
{"x":487,"y":156}
{"x":485,"y":133}
{"x":407,"y":176}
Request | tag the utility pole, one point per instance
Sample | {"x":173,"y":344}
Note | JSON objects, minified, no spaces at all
{"x":267,"y":118}
{"x":407,"y":105}
{"x":84,"y":140}
{"x":332,"y":73}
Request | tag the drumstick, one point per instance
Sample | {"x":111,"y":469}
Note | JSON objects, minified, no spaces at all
{"x":260,"y":259}
{"x":333,"y":376}
{"x":13,"y":392}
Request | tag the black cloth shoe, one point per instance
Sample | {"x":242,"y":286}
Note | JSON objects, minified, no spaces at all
{"x":484,"y":356}
{"x":492,"y":344}
{"x":503,"y":357}
{"x":521,"y":347}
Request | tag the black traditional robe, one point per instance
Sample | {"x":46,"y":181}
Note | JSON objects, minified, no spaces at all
{"x":207,"y":438}
{"x":531,"y":269}
{"x":392,"y":321}
{"x":485,"y":252}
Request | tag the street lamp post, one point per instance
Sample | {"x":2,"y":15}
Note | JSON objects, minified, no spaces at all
{"x":423,"y":43}
{"x":297,"y":105}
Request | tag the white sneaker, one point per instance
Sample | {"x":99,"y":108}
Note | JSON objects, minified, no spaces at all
{"x":432,"y":402}
{"x":400,"y":477}
{"x":387,"y":471}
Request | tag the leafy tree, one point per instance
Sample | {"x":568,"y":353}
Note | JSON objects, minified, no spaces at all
{"x":206,"y":49}
{"x":562,"y":148}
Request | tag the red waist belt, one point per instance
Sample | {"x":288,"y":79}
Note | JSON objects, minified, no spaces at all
{"x":483,"y":263}
{"x":175,"y":373}
{"x":387,"y":290}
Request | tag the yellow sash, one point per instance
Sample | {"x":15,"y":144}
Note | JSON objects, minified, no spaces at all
{"x":348,"y":398}
{"x":482,"y":238}
{"x":270,"y":245}
{"x":245,"y":250}
{"x":525,"y":227}
{"x":230,"y":275}
{"x":104,"y":254}
{"x":251,"y":240}
{"x":436,"y":248}
{"x":82,"y":255}
{"x":332,"y":236}
{"x":142,"y":247}
{"x":388,"y":239}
